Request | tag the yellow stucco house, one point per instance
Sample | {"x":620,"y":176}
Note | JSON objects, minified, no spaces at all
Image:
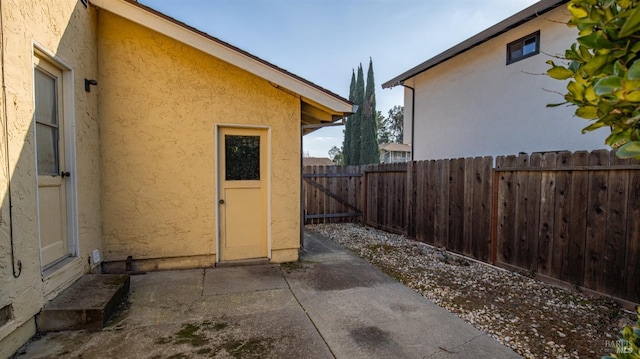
{"x":127,"y":133}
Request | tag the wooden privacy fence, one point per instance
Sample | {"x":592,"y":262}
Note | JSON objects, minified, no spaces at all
{"x":574,"y":217}
{"x":571,"y":217}
{"x":385,"y":197}
{"x":332,"y":194}
{"x":374,"y":195}
{"x":450,"y":204}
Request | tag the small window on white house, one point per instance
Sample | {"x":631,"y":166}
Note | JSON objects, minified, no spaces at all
{"x":524,"y":47}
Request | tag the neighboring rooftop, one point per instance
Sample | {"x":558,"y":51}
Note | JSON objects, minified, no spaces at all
{"x":395,"y":147}
{"x":317,"y":161}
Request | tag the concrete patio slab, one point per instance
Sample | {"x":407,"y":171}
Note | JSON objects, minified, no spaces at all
{"x":363,"y":313}
{"x":243,"y":279}
{"x":330,"y":304}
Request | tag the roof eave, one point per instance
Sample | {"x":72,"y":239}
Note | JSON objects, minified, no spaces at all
{"x":157,"y":21}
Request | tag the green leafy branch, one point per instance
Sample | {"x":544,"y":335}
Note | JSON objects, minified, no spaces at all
{"x":604,"y":70}
{"x":628,"y":346}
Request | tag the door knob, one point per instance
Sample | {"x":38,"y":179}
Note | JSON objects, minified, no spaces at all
{"x":64,"y":174}
{"x":221,"y":201}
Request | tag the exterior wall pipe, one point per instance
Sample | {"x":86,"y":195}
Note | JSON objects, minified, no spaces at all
{"x":16,"y":266}
{"x":413,"y":117}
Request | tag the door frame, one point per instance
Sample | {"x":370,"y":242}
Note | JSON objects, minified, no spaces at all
{"x":217,"y":245}
{"x":69,"y":125}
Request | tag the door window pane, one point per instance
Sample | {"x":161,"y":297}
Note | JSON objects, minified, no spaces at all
{"x":46,"y":114}
{"x":242,"y":158}
{"x":46,"y":98}
{"x":47,"y":145}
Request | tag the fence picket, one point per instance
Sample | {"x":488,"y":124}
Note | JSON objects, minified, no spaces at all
{"x":506,"y":220}
{"x":454,"y":237}
{"x":533,"y":210}
{"x":482,"y":207}
{"x":430,"y":204}
{"x":615,"y":233}
{"x":442,"y":204}
{"x":412,"y":200}
{"x":632,"y":261}
{"x":521,"y":203}
{"x":562,"y":215}
{"x":578,"y":221}
{"x":467,"y":218}
{"x":596,"y":222}
{"x":547,"y":207}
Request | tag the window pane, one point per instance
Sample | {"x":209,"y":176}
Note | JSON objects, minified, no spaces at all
{"x":515,"y":51}
{"x":46,"y":98}
{"x":522,"y":48}
{"x":529,"y":46}
{"x":47,"y":145}
{"x":242,"y":157}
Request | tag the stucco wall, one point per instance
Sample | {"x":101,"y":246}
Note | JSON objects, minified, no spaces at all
{"x":65,"y":29}
{"x":476,"y":105}
{"x":160,"y":102}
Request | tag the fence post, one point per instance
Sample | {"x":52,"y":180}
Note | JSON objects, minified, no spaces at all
{"x":410,"y":201}
{"x":364,"y":194}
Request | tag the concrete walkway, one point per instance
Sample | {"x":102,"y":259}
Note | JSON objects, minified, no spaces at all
{"x":331,"y":304}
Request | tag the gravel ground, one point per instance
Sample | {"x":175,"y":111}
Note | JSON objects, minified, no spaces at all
{"x":536,"y":319}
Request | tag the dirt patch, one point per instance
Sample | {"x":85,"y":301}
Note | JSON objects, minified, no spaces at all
{"x":190,"y":334}
{"x":215,"y":340}
{"x":251,"y":348}
{"x":291,"y":266}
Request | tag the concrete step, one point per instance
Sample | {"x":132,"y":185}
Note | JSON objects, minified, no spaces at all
{"x":243,"y":262}
{"x":86,"y":304}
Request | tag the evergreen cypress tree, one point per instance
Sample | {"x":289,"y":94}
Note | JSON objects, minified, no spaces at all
{"x":369,"y":152}
{"x":348,"y":128}
{"x":356,"y":126}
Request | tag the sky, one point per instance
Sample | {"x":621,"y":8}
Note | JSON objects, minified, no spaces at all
{"x":323,"y":41}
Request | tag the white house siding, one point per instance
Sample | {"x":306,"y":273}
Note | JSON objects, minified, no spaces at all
{"x":476,"y":105}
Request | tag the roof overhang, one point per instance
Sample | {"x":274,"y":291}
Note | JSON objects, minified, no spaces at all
{"x":318,"y":105}
{"x":498,"y":29}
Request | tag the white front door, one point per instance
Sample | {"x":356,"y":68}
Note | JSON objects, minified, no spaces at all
{"x":50,"y":153}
